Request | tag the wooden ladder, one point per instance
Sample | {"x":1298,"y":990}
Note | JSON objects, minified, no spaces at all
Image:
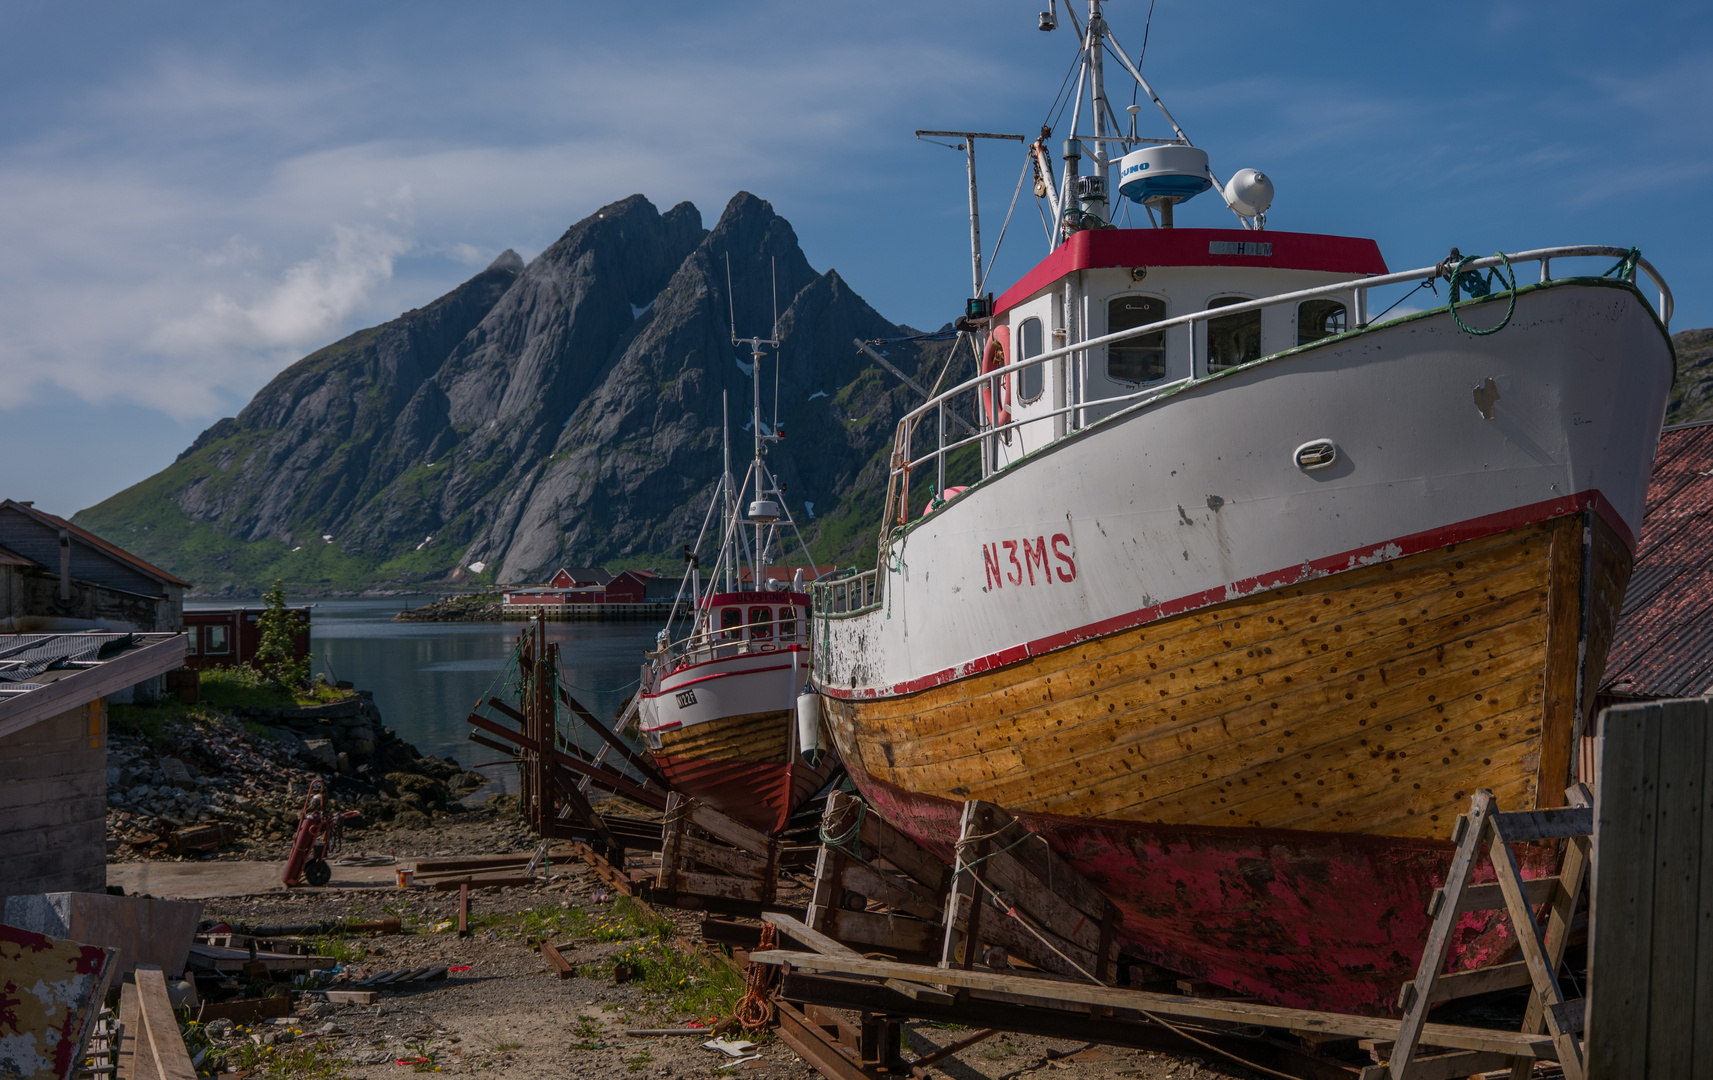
{"x":1542,"y":948}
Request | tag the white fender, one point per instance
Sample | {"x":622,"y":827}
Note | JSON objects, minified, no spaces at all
{"x":809,"y":728}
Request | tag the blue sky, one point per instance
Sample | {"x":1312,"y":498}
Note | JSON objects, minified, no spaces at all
{"x":193,"y":196}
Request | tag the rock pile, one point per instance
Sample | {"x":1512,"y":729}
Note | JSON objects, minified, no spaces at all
{"x":454,"y":609}
{"x":251,"y":767}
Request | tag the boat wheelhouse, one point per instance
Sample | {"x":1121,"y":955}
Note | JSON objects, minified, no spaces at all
{"x":1252,"y":589}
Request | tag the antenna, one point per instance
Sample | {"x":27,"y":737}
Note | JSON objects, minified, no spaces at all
{"x":731,"y":305}
{"x":773,"y":274}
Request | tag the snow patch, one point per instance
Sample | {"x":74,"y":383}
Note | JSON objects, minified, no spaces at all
{"x":639,"y":312}
{"x":809,"y":506}
{"x":816,"y":394}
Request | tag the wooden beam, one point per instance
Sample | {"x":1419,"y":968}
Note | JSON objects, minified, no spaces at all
{"x":637,"y":761}
{"x":1555,"y":824}
{"x":160,"y":1024}
{"x":1059,"y":992}
{"x":558,"y":961}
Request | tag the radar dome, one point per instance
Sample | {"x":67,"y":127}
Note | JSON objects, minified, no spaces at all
{"x":1249,"y":192}
{"x":1168,"y":171}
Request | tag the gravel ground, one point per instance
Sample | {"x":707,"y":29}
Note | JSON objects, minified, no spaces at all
{"x":509,"y":1015}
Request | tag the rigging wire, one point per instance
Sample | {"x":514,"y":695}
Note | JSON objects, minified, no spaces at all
{"x":996,"y":244}
{"x":1147,"y":26}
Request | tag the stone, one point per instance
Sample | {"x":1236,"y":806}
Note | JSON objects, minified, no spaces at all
{"x":322,"y":752}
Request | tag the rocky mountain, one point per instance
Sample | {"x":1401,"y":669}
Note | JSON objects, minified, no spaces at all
{"x":1692,"y":393}
{"x":567,"y":412}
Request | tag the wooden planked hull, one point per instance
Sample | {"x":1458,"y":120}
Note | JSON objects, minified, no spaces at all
{"x":1266,"y":786}
{"x":742,"y":767}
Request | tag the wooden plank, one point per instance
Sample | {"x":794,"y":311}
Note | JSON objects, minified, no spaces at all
{"x":1419,"y":995}
{"x":814,"y":939}
{"x":637,"y":761}
{"x":1454,"y":1066}
{"x":910,"y":858}
{"x":689,"y":881}
{"x":728,"y":829}
{"x":897,"y":891}
{"x":502,"y":881}
{"x":160,"y":1026}
{"x":1621,"y":926}
{"x":1464,"y":984}
{"x":426,"y":867}
{"x":464,"y":910}
{"x":1703,"y":1005}
{"x":1677,"y":899}
{"x":1060,"y":885}
{"x":1562,"y":915}
{"x":133,"y":1065}
{"x":1529,"y":940}
{"x":1489,"y":897}
{"x":717,"y":857}
{"x":1554,"y":824}
{"x":884,"y":931}
{"x":557,"y":961}
{"x":1560,"y":720}
{"x":965,"y":894}
{"x":1058,"y":992}
{"x":1568,"y":1016}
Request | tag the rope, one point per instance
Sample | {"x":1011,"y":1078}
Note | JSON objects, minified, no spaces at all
{"x":851,"y":839}
{"x":1458,"y":278}
{"x":755,"y":1010}
{"x":1625,"y":268}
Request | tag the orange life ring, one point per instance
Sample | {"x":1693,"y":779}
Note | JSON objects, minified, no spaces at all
{"x":994,"y":357}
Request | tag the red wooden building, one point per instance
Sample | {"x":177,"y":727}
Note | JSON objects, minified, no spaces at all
{"x":222,"y":637}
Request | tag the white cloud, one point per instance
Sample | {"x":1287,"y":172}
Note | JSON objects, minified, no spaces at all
{"x":310,"y":301}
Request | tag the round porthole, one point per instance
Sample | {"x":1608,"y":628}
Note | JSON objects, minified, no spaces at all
{"x":1315,"y":454}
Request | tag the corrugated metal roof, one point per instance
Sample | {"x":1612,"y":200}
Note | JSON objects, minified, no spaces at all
{"x":1663,"y":646}
{"x":24,"y":658}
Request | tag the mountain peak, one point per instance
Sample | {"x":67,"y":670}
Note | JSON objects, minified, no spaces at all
{"x":508,"y":260}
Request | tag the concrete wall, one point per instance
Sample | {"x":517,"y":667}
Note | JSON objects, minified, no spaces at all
{"x":53,"y":804}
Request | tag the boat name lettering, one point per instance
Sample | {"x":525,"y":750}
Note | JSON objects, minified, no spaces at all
{"x":1029,"y":561}
{"x":686,"y":698}
{"x":1238,"y":247}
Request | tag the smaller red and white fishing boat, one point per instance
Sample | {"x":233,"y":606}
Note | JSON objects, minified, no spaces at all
{"x":718,"y":705}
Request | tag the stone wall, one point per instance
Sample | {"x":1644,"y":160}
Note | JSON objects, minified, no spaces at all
{"x":53,"y":804}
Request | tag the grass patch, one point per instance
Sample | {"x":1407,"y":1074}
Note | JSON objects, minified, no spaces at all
{"x":293,"y":1061}
{"x":679,"y":982}
{"x":343,"y":949}
{"x":623,"y":920}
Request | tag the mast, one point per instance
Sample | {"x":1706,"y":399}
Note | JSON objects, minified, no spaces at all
{"x":726,"y":557}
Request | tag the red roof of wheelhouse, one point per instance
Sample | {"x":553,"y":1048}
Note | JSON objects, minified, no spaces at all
{"x":1097,"y":248}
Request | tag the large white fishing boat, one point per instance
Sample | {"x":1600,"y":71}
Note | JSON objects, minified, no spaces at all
{"x":718,"y":704}
{"x":1254,"y":588}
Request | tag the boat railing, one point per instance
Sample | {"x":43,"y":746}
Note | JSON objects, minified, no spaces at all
{"x":847,"y":595}
{"x":935,"y":410}
{"x":720,"y":643}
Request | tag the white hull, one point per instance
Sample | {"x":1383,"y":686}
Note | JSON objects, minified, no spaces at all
{"x":1196,"y":498}
{"x":726,"y":682}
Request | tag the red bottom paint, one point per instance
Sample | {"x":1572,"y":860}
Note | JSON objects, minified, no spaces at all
{"x":1308,"y":920}
{"x":762,"y":795}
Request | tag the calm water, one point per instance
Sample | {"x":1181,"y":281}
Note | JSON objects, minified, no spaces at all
{"x":427,"y":676}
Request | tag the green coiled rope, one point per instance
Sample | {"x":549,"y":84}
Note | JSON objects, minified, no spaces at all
{"x":1475,"y":282}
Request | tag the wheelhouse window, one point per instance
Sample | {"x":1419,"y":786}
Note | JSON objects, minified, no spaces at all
{"x":760,"y":622}
{"x":1031,"y":380}
{"x":731,"y":623}
{"x":1318,"y":319}
{"x":214,"y":639}
{"x":788,"y":623}
{"x":1139,"y":359}
{"x":1232,"y":339}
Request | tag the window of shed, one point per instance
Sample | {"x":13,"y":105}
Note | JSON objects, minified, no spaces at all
{"x":214,"y":639}
{"x":1031,"y":380}
{"x":1318,"y":319}
{"x":1232,"y":339}
{"x":1138,"y":359}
